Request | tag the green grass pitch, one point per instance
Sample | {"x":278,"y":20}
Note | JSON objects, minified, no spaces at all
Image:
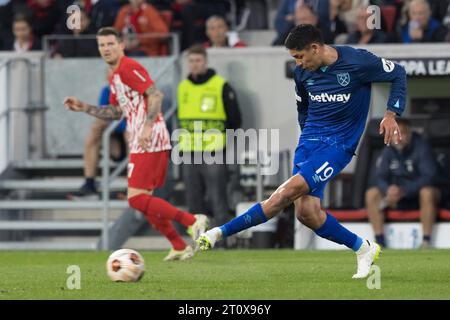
{"x":232,"y":274}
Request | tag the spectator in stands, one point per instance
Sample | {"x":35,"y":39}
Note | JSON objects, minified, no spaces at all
{"x":92,"y":146}
{"x":103,"y":13}
{"x":24,"y":40}
{"x":421,"y":27}
{"x":137,"y":19}
{"x":339,"y":21}
{"x":45,"y":16}
{"x":331,"y":14}
{"x":404,"y":179}
{"x":85,"y":5}
{"x":346,"y":10}
{"x":188,"y":17}
{"x":284,"y":19}
{"x":78,"y":45}
{"x":321,"y":8}
{"x":304,"y":14}
{"x":219,"y":35}
{"x":363,"y":34}
{"x":205,"y":99}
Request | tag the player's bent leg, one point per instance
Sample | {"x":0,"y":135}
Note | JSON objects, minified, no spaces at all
{"x":179,"y":251}
{"x":151,"y":206}
{"x":308,"y":212}
{"x":287,"y":193}
{"x":144,"y":201}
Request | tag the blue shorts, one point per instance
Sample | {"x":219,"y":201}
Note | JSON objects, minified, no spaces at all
{"x":318,"y":162}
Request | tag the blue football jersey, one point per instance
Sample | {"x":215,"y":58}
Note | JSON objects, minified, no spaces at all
{"x":333,"y":101}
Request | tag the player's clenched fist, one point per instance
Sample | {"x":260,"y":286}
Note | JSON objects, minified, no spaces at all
{"x":74,"y":104}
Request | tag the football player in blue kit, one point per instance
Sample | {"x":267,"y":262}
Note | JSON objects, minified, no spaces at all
{"x":333,"y":87}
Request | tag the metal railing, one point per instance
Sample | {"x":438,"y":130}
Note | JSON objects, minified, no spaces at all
{"x":30,"y":107}
{"x":108,"y":178}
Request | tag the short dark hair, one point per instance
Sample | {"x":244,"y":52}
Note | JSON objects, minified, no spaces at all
{"x":197,"y":49}
{"x":109,"y":31}
{"x":22,"y":17}
{"x":302,"y":36}
{"x":217,"y":17}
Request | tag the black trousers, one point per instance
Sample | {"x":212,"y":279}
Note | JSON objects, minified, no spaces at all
{"x":206,"y":191}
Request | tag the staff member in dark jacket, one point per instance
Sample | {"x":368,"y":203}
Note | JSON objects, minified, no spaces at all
{"x":404,"y":179}
{"x":207,"y":106}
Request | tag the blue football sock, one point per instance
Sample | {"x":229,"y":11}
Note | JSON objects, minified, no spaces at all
{"x":334,"y":231}
{"x":252,"y":217}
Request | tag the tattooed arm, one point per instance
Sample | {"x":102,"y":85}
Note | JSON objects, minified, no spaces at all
{"x":154,"y":102}
{"x":109,"y":112}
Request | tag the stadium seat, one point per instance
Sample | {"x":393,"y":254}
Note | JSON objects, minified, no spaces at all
{"x":349,"y":215}
{"x":414,"y":215}
{"x":444,"y":214}
{"x":391,"y":215}
{"x":403,"y":215}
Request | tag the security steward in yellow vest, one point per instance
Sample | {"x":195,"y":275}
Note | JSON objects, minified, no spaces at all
{"x":205,"y":101}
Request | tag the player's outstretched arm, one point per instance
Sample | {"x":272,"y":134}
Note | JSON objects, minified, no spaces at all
{"x":109,"y":112}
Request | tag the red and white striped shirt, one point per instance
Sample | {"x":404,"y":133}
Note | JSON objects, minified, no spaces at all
{"x":128,"y":84}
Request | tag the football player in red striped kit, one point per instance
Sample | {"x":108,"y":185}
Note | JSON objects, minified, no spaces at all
{"x":134,"y":95}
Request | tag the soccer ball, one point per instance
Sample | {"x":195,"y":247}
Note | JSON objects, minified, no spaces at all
{"x":125,"y":265}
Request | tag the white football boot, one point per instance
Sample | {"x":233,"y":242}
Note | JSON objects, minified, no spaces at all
{"x":365,"y":256}
{"x":207,"y":240}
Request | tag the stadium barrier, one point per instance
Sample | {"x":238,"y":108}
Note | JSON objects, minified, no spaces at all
{"x":399,"y":235}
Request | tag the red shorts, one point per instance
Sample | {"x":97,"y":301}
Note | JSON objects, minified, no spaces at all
{"x":147,"y":170}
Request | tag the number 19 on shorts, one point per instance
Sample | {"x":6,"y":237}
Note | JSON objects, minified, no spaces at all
{"x":325,"y":171}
